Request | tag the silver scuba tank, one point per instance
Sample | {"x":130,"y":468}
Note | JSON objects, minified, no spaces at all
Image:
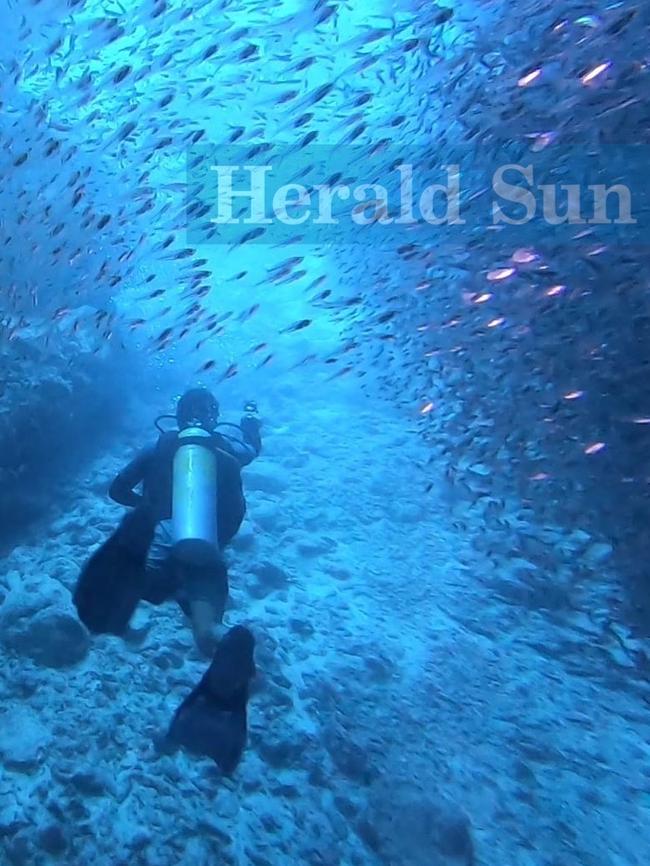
{"x":194,"y":498}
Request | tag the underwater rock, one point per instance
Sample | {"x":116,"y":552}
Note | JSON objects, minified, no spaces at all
{"x":314,"y":545}
{"x":317,"y":519}
{"x":325,"y":854}
{"x":379,"y":669}
{"x":212,"y":826}
{"x":283,"y":751}
{"x":22,"y":685}
{"x":339,"y":572}
{"x":302,"y":627}
{"x":91,"y":782}
{"x":266,"y":479}
{"x":19,"y":851}
{"x":40,"y":437}
{"x":269,"y":578}
{"x":136,"y":838}
{"x":406,"y":512}
{"x":267,"y":516}
{"x":23,"y":739}
{"x":408,"y":828}
{"x":349,"y":757}
{"x":52,"y":839}
{"x":52,"y":638}
{"x":65,"y":570}
{"x":346,"y":807}
{"x":244,"y":540}
{"x":30,"y":591}
{"x":619,"y":657}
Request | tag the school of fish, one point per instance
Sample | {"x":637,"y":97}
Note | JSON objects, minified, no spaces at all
{"x":521,"y":355}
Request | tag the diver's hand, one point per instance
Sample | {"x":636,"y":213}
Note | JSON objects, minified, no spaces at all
{"x":251,"y":421}
{"x":250,"y":425}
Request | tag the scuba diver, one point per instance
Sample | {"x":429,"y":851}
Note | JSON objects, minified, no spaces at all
{"x":169,"y":545}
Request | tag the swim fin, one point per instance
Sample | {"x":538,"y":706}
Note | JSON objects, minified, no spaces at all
{"x":212,"y":720}
{"x":112,"y":581}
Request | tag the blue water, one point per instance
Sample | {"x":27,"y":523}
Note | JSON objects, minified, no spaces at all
{"x":444,"y":555}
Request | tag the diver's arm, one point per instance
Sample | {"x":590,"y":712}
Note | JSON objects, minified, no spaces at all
{"x":121,"y":490}
{"x":243,"y":452}
{"x":251,"y":446}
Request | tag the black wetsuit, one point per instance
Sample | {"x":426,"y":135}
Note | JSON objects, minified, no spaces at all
{"x":153,"y":468}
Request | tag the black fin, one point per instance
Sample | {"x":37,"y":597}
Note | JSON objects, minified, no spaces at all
{"x":112,"y":581}
{"x":212,"y":720}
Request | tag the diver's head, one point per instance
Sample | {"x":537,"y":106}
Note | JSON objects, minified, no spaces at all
{"x":197,"y":408}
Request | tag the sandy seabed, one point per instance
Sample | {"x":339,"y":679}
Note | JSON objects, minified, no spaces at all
{"x":434,"y":688}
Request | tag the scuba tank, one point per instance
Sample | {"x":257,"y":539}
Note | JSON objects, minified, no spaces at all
{"x":194,"y":498}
